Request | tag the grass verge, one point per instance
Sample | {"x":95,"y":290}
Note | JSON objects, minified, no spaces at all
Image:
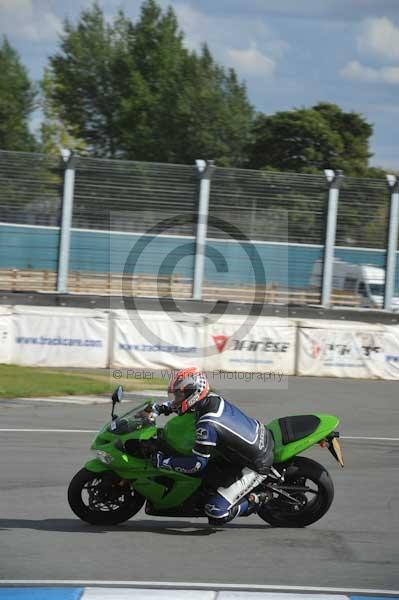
{"x":28,"y":382}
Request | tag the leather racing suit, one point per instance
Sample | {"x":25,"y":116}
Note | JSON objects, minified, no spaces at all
{"x":242,"y":440}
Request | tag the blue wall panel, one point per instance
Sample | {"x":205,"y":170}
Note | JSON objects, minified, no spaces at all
{"x":28,"y":247}
{"x":103,"y":252}
{"x":226,"y":262}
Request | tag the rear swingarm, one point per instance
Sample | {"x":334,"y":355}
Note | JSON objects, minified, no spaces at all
{"x":281,"y":491}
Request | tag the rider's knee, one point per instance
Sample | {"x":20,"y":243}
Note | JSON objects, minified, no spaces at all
{"x":219,"y":511}
{"x":217,"y":507}
{"x":218,"y":521}
{"x":216,"y":512}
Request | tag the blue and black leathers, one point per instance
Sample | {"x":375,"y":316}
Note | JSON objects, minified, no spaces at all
{"x":243,"y":441}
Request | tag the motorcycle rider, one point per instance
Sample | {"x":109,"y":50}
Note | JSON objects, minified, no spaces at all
{"x":219,"y":424}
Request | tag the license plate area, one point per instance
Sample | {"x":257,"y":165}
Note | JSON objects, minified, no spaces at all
{"x":335,"y":447}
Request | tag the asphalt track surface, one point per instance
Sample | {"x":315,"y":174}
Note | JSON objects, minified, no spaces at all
{"x":356,"y":545}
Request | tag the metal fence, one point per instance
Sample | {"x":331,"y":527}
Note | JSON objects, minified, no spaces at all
{"x":176,"y":230}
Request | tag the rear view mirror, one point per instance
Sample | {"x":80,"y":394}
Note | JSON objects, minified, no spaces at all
{"x":118,"y":394}
{"x":116,"y":397}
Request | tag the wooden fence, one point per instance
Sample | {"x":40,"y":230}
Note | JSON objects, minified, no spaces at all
{"x":115,"y":284}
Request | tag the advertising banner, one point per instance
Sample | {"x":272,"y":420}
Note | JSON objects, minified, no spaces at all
{"x":58,"y":337}
{"x":5,"y":334}
{"x":359,"y":350}
{"x":155,"y":341}
{"x":267,"y":345}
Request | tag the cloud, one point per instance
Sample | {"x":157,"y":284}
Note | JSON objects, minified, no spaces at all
{"x":22,"y":19}
{"x":44,"y":28}
{"x":15,"y":5}
{"x":356,"y":71}
{"x":260,"y":49}
{"x":251,"y":61}
{"x":219,"y":31}
{"x":379,"y":37}
{"x":193,"y":23}
{"x":338,"y":10}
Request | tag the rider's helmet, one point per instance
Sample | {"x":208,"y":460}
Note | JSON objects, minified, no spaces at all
{"x":186,"y":388}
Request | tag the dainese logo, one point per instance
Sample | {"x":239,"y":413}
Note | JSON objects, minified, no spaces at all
{"x":220,"y":342}
{"x":316,"y":349}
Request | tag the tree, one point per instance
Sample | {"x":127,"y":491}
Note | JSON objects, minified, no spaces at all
{"x":149,"y":124}
{"x":308,"y":140}
{"x":54,"y":134}
{"x":214,"y":112}
{"x":17,"y":101}
{"x":355,"y":133}
{"x":133,"y":90}
{"x":84,"y":93}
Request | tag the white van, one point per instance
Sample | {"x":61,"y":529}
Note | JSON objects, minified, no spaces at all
{"x":366,"y":281}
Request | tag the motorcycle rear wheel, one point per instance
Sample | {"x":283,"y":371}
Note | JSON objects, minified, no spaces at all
{"x":311,"y":506}
{"x":98,"y":498}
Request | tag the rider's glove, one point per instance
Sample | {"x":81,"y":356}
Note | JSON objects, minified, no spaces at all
{"x":151,"y":411}
{"x":162,"y":409}
{"x":159,"y":461}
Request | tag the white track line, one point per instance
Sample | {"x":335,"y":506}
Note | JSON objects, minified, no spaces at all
{"x":6,"y":430}
{"x":195,"y":586}
{"x":50,"y":430}
{"x":62,"y":400}
{"x":86,"y":400}
{"x":379,"y":439}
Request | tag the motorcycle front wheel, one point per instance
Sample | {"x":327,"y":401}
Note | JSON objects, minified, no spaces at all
{"x":102,"y":498}
{"x":308,"y":506}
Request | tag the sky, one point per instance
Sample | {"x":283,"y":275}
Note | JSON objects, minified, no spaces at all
{"x":290,"y":53}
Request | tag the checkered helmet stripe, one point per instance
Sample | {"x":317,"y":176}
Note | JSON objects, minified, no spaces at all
{"x":190,"y":377}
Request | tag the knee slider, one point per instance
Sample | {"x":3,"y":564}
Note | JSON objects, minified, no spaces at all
{"x":213,"y":520}
{"x":216,"y":512}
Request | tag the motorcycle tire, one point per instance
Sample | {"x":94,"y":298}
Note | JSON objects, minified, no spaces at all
{"x":96,"y":506}
{"x":279,"y":513}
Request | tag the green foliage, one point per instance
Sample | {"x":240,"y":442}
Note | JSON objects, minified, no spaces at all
{"x":80,"y":86}
{"x":354,"y":132}
{"x":17,"y":101}
{"x":309,"y":140}
{"x":54,"y":135}
{"x":134,"y":91}
{"x":214,"y":112}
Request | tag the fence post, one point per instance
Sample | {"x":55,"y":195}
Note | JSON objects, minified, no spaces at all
{"x":205,"y":172}
{"x":390,"y":271}
{"x":66,"y":220}
{"x":335,"y":180}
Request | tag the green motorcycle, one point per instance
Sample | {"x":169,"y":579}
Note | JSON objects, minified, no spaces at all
{"x":115,"y":485}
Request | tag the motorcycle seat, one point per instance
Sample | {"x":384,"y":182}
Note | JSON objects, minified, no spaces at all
{"x":297,"y":427}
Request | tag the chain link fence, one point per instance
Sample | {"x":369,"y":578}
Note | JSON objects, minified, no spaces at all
{"x":30,"y":188}
{"x":30,"y":208}
{"x":278,"y":214}
{"x":361,"y":240}
{"x":142,"y":194}
{"x":266,"y":230}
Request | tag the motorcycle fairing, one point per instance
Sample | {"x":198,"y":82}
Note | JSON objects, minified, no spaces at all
{"x":283,"y":452}
{"x":179,"y":435}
